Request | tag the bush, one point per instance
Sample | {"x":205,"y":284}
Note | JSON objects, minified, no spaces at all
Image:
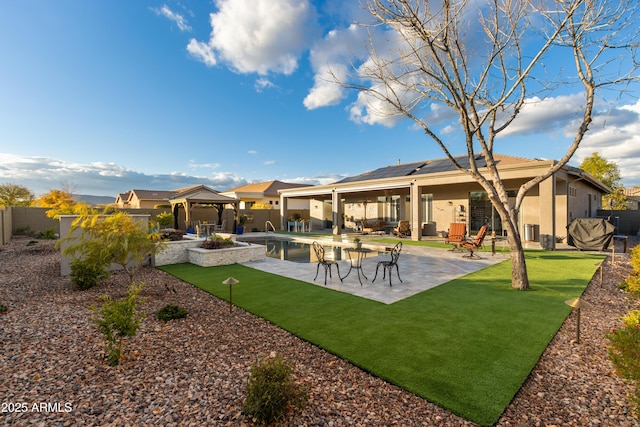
{"x":632,"y":285}
{"x":271,"y":390}
{"x":624,"y":351}
{"x":3,"y":308}
{"x":171,"y":311}
{"x":635,"y":259}
{"x":118,"y":319}
{"x":86,"y":274}
{"x":217,"y":243}
{"x":173,"y":235}
{"x":48,"y":234}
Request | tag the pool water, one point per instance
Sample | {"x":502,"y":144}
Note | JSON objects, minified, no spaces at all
{"x":288,"y":250}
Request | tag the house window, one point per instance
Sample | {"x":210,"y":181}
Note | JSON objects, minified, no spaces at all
{"x":427,"y":207}
{"x":390,"y":207}
{"x":573,"y":192}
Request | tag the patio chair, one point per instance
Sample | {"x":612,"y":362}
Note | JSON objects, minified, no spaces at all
{"x":457,"y":235}
{"x":473,"y":245}
{"x":388,"y":265}
{"x":219,"y":228}
{"x":403,"y":229}
{"x":326,"y":263}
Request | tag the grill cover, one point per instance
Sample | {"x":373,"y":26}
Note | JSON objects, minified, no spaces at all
{"x":591,"y":234}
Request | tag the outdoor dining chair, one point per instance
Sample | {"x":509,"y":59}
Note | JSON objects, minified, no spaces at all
{"x":326,"y":263}
{"x":389,"y":264}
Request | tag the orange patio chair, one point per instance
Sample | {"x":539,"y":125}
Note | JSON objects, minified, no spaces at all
{"x":457,"y":235}
{"x":475,"y":244}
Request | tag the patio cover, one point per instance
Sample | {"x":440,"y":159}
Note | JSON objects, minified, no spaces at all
{"x":591,"y":234}
{"x":199,"y":195}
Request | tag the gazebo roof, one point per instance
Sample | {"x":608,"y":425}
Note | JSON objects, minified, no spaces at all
{"x":201,"y":194}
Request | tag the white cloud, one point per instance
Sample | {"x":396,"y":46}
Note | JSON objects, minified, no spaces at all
{"x":177,"y":18}
{"x":202,"y":52}
{"x":614,"y":132}
{"x":257,"y":36}
{"x":546,"y":115}
{"x":262,"y":84}
{"x":615,"y":135}
{"x":329,"y":59}
{"x":270,"y":162}
{"x":252,"y":152}
{"x":42,"y":174}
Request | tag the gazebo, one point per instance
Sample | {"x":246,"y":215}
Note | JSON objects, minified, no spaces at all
{"x":200,"y":195}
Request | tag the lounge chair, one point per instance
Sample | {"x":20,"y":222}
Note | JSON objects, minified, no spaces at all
{"x":457,"y":235}
{"x":388,"y":265}
{"x":319,"y":250}
{"x":475,"y":244}
{"x":403,"y":229}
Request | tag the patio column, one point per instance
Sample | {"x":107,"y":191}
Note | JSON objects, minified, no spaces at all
{"x":283,"y":212}
{"x":414,"y":199}
{"x":547,"y":189}
{"x":336,"y":211}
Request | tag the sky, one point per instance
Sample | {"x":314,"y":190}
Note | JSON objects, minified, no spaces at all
{"x":102,"y":97}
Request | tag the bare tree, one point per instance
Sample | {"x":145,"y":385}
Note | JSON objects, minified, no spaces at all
{"x":470,"y":56}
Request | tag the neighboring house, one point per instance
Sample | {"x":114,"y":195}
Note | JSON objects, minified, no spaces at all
{"x":633,"y":198}
{"x":432,"y":194}
{"x":264,"y":195}
{"x":144,"y":199}
{"x":181,"y":201}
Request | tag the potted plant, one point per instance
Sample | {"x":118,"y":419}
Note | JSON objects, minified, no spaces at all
{"x":241,"y":221}
{"x":357,"y":243}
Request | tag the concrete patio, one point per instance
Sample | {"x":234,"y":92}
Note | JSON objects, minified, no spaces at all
{"x":421,"y":268}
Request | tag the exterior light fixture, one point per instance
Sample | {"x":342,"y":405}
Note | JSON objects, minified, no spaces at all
{"x":577,"y":304}
{"x":230,"y":281}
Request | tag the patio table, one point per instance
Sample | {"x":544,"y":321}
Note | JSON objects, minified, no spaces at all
{"x":355,"y":261}
{"x":205,"y":229}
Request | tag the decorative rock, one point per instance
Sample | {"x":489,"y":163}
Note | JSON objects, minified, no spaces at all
{"x":185,"y":374}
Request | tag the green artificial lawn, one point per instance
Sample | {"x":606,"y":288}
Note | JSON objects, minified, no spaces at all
{"x":467,"y":345}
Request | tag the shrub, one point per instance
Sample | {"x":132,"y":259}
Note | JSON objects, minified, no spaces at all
{"x":624,"y":351}
{"x":164,"y":219}
{"x":632,"y":285}
{"x":635,"y":259}
{"x":217,"y":243}
{"x":118,"y":319}
{"x":86,"y":274}
{"x":271,"y":390}
{"x":48,"y":234}
{"x":173,"y":235}
{"x":3,"y":308}
{"x":171,"y":311}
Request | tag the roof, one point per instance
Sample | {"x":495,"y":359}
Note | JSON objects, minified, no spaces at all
{"x":194,"y":192}
{"x":201,"y":194}
{"x":268,"y":188}
{"x":632,"y":192}
{"x":426,"y":167}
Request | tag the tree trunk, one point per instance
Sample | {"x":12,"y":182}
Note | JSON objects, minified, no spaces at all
{"x":519,"y":274}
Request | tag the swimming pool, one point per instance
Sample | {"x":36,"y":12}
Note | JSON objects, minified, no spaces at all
{"x":291,"y":250}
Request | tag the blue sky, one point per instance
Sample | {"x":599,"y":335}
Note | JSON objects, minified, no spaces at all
{"x":103,"y":97}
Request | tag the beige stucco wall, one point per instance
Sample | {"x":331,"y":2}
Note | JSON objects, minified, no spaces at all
{"x":65,"y":227}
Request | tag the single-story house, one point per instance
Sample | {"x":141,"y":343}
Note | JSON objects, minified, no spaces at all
{"x":264,"y":195}
{"x":432,"y":194}
{"x":144,"y":199}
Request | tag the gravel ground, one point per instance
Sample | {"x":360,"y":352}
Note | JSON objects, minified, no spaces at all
{"x":193,"y":371}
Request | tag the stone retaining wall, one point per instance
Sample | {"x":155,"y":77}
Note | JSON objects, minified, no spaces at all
{"x":242,"y":252}
{"x":176,"y":252}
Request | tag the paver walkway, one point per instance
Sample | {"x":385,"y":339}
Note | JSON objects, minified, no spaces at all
{"x":421,"y":268}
